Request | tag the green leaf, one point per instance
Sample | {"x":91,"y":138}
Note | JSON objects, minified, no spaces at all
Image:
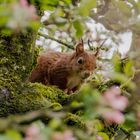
{"x":62,"y":48}
{"x":90,"y":99}
{"x":35,"y":25}
{"x":128,"y":69}
{"x":67,"y":1}
{"x":103,"y":135}
{"x":4,"y":15}
{"x":98,"y":125}
{"x":3,"y":20}
{"x":123,"y":79}
{"x":49,"y":4}
{"x":86,"y":6}
{"x":55,"y":123}
{"x":6,"y":32}
{"x":116,"y":60}
{"x":78,"y":28}
{"x":130,"y":121}
{"x":14,"y":135}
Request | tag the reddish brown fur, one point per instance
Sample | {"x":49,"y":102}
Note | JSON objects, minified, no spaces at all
{"x":62,"y":69}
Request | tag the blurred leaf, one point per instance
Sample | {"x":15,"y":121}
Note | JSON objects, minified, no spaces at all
{"x":116,"y":60}
{"x":75,"y":104}
{"x":128,"y":69}
{"x":90,"y":98}
{"x":47,"y":132}
{"x":4,"y":14}
{"x":39,"y":124}
{"x":14,"y":135}
{"x":78,"y":28}
{"x":68,"y":1}
{"x":98,"y":125}
{"x":35,"y":25}
{"x":59,"y":12}
{"x":55,"y":123}
{"x":3,"y":20}
{"x":62,"y":48}
{"x":103,"y":135}
{"x":6,"y":32}
{"x":86,"y":6}
{"x":130,"y":121}
{"x":49,"y":4}
{"x":8,"y":1}
{"x":123,"y":79}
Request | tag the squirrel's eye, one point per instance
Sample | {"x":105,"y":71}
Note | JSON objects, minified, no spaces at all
{"x":80,"y":60}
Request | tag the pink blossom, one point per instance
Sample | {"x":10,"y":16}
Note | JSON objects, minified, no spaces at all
{"x":119,"y":103}
{"x":115,"y":100}
{"x":33,"y":133}
{"x":112,"y":104}
{"x":66,"y":135}
{"x":114,"y":116}
{"x":115,"y":90}
{"x":24,"y":3}
{"x":99,"y":138}
{"x":30,"y":8}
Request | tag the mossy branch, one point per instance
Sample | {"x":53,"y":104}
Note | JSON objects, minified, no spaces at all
{"x":54,"y":39}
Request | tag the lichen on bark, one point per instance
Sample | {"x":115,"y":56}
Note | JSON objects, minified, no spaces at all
{"x":17,"y":95}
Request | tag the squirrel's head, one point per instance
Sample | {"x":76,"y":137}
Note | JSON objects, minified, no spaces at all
{"x":83,"y":62}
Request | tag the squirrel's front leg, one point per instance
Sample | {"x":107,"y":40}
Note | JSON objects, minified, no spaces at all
{"x":68,"y":91}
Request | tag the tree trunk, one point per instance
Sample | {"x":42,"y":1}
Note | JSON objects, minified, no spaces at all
{"x":17,"y":95}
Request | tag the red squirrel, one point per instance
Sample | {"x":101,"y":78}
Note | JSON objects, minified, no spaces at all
{"x":67,"y":71}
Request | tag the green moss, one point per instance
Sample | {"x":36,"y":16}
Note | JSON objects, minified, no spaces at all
{"x":33,"y":96}
{"x":74,"y":120}
{"x":15,"y":61}
{"x":52,"y":93}
{"x":111,"y":130}
{"x":16,"y":55}
{"x":56,"y":106}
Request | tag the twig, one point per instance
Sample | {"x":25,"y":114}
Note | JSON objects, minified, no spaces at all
{"x":90,"y":47}
{"x":54,"y":39}
{"x":100,"y":47}
{"x":95,"y":40}
{"x":103,"y":43}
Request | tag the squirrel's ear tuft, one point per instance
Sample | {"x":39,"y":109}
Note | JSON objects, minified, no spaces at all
{"x":80,"y":47}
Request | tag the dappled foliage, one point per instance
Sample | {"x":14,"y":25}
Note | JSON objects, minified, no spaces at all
{"x":106,"y":107}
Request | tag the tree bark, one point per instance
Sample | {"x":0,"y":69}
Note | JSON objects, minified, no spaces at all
{"x":17,"y":95}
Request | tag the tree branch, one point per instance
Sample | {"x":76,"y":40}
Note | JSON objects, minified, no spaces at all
{"x":54,"y":39}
